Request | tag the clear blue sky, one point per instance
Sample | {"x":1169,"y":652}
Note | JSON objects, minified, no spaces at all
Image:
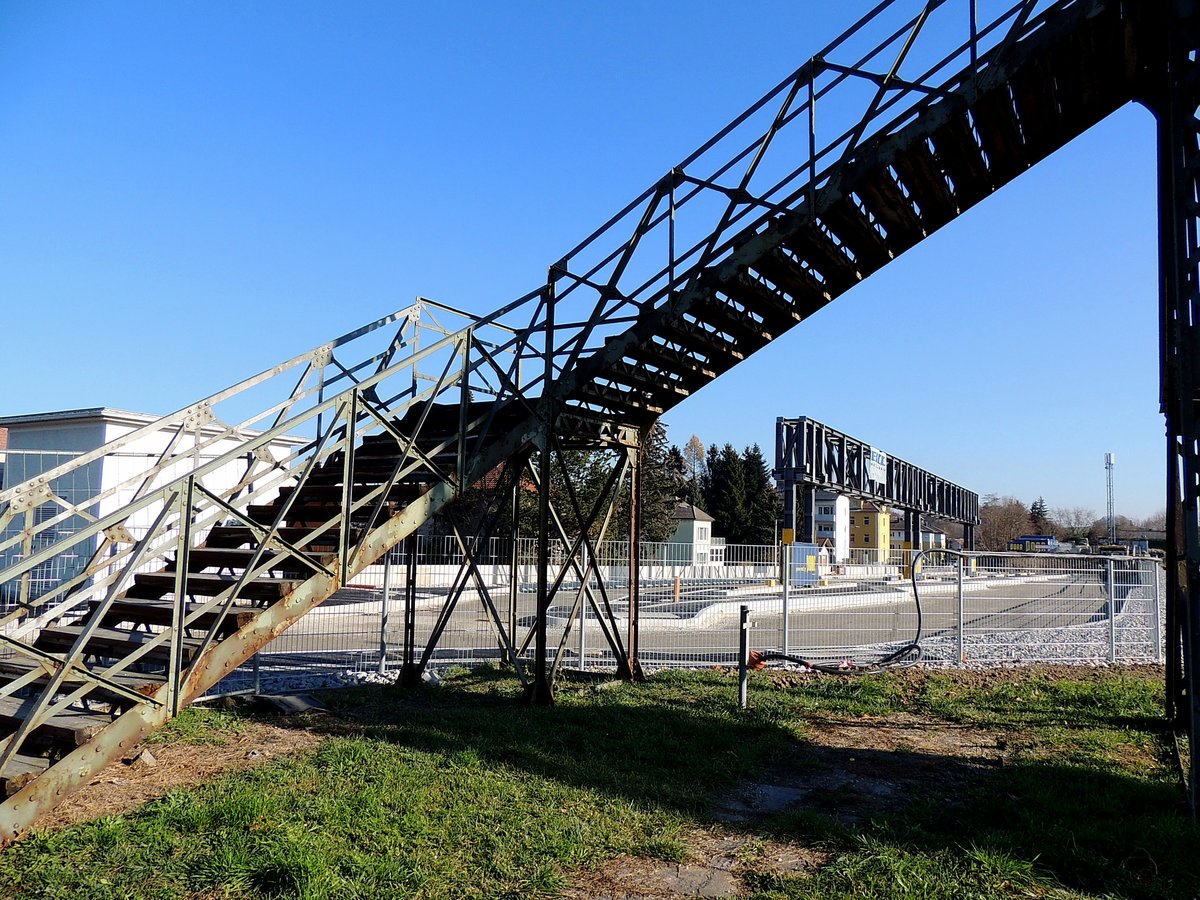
{"x":194,"y":191}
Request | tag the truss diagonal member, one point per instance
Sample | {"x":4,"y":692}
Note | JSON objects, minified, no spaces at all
{"x":612,"y":638}
{"x":485,"y":598}
{"x":738,"y":195}
{"x":38,"y":714}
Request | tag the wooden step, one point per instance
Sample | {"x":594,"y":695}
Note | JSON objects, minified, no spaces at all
{"x":838,"y":271}
{"x":19,"y":771}
{"x":201,"y":558}
{"x":109,"y":643}
{"x":65,"y":731}
{"x":892,"y":210}
{"x":139,"y":682}
{"x":960,"y":156}
{"x":853,"y":227}
{"x":789,"y":276}
{"x":152,"y":585}
{"x":1000,"y":131}
{"x":921,"y":173}
{"x":223,"y":536}
{"x":697,"y":370}
{"x":132,"y":612}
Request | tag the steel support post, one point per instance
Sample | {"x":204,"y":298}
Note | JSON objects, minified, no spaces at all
{"x":962,"y":619}
{"x":410,"y":670}
{"x":384,"y":605}
{"x":539,"y":691}
{"x":630,"y":668}
{"x":786,"y":554}
{"x":1110,"y":588}
{"x":1176,"y":97}
{"x":743,"y":656}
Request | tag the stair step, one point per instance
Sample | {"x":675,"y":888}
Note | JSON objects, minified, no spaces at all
{"x":960,"y":156}
{"x":719,"y":311}
{"x":644,"y":379}
{"x":201,"y":558}
{"x":836,"y":268}
{"x":109,"y":643}
{"x":617,"y":400}
{"x":323,"y":493}
{"x":1033,"y":89}
{"x":141,"y":682}
{"x":152,"y":585}
{"x":891,"y":209}
{"x":699,"y":372}
{"x":19,"y":771}
{"x":920,"y":172}
{"x":854,"y":228}
{"x":230,"y":536}
{"x":788,"y":275}
{"x":693,"y":337}
{"x":133,"y":612}
{"x":65,"y":731}
{"x":997,"y":124}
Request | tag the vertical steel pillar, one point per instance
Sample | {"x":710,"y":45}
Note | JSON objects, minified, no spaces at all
{"x":629,"y":668}
{"x":410,"y":669}
{"x":539,"y":691}
{"x":1176,"y":96}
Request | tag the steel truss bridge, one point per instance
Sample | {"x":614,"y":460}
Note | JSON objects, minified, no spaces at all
{"x":813,"y":456}
{"x":916,"y":113}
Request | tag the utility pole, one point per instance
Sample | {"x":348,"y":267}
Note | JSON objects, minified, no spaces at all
{"x":1110,"y":460}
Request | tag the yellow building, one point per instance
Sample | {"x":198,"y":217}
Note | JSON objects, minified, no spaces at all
{"x":870,"y":532}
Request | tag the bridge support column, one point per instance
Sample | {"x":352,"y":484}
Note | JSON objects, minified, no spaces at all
{"x":1174,"y":99}
{"x":410,"y":670}
{"x":539,"y":691}
{"x":629,"y":668}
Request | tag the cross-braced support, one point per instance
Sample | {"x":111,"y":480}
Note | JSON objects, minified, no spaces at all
{"x":1175,"y":100}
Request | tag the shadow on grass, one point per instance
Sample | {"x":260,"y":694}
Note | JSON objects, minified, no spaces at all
{"x":1085,"y":829}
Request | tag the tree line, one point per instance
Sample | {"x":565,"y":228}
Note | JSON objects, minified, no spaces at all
{"x":1002,"y":519}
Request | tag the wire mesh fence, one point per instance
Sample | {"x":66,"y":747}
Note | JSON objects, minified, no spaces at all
{"x":972,"y":609}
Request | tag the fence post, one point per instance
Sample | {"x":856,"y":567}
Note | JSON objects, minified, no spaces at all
{"x":786,"y":553}
{"x":583,"y":605}
{"x":962,"y":619}
{"x":743,"y":655}
{"x":384,"y":610}
{"x":1155,"y":622}
{"x":1112,"y":610}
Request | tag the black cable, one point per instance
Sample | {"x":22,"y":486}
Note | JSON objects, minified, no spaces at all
{"x":908,"y":655}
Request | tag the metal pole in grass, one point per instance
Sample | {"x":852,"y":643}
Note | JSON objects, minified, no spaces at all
{"x":787,"y":590}
{"x":1156,"y":625}
{"x":1112,"y":610}
{"x":383,"y":611}
{"x":962,"y":644}
{"x":743,"y":656}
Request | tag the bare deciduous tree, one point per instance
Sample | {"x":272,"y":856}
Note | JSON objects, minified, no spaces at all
{"x":1000,"y":520}
{"x":1075,"y":521}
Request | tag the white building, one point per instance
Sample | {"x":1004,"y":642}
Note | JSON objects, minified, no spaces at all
{"x":40,"y":442}
{"x":692,"y":543}
{"x":831,"y":523}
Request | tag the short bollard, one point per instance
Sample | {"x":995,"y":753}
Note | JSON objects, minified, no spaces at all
{"x":744,"y":656}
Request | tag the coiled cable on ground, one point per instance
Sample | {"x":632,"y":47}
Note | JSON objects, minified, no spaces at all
{"x":907,"y":655}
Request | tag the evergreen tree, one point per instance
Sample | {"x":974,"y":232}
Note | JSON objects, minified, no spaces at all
{"x":1039,"y":516}
{"x":662,"y":480}
{"x":725,"y":496}
{"x":762,"y":500}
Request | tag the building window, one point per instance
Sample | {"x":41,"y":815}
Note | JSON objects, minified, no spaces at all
{"x":866,"y":538}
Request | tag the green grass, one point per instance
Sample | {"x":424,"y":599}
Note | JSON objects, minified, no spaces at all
{"x":457,"y":791}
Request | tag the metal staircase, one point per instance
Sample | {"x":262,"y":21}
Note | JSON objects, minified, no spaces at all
{"x":261,"y":501}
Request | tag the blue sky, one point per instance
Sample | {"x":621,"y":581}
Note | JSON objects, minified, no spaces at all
{"x":192,"y":192}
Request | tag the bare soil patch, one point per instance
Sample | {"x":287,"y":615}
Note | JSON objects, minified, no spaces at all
{"x":125,"y":786}
{"x":711,"y":870}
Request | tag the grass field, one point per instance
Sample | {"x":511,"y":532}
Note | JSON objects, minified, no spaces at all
{"x":1053,"y":783}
